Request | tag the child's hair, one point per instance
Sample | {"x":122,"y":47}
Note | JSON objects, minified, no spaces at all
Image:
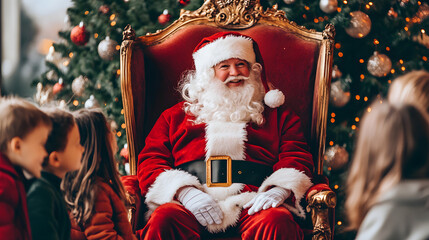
{"x":392,"y":145}
{"x":62,"y":124}
{"x":98,"y":161}
{"x":411,"y":88}
{"x":18,"y":118}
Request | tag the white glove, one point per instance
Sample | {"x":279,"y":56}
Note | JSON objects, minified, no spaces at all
{"x":203,"y":206}
{"x":271,"y":198}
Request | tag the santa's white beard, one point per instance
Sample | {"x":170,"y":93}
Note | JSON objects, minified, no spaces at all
{"x":215,"y":101}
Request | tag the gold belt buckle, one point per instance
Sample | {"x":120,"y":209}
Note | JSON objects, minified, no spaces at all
{"x":228,"y":171}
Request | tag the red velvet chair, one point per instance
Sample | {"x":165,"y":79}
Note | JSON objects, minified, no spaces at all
{"x":297,"y":61}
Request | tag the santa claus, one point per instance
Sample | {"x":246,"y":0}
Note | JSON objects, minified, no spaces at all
{"x":230,"y":156}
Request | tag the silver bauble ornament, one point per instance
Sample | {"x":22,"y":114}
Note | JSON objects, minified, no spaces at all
{"x":78,"y":85}
{"x":360,"y":25}
{"x":91,"y":102}
{"x":328,"y":6}
{"x":289,"y":1}
{"x":379,"y":65}
{"x":336,"y":157}
{"x":107,"y":48}
{"x":336,"y":73}
{"x":339,"y":97}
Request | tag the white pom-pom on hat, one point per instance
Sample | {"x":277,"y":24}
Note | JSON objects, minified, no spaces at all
{"x":274,"y":98}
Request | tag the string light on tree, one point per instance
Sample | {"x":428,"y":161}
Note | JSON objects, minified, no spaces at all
{"x":360,"y":25}
{"x":79,"y":35}
{"x":379,"y":65}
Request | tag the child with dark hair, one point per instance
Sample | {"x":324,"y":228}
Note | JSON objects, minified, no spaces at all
{"x":24,"y":129}
{"x":47,"y":210}
{"x":95,"y":194}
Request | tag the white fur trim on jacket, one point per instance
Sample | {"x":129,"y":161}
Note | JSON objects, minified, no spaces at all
{"x":226,"y":138}
{"x":292,"y":179}
{"x":166,"y":185}
{"x":222,"y":49}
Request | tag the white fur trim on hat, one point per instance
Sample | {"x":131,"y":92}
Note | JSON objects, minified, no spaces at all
{"x":274,"y":98}
{"x":223,"y":49}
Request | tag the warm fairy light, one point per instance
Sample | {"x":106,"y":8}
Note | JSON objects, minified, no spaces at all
{"x":122,"y":111}
{"x":401,"y":61}
{"x":339,"y":223}
{"x":336,"y":186}
{"x":337,"y":45}
{"x":392,"y":71}
{"x":357,"y":97}
{"x":365,"y":99}
{"x":419,"y":3}
{"x":389,"y":81}
{"x":353,"y":127}
{"x":113,"y":23}
{"x":119,"y":134}
{"x":71,"y":54}
{"x":332,"y":114}
{"x":423,"y":31}
{"x":95,"y":35}
{"x":340,"y":54}
{"x":345,"y":1}
{"x":86,"y":12}
{"x":424,"y":58}
{"x":329,"y":168}
{"x":403,"y":68}
{"x":331,"y":143}
{"x":387,"y":48}
{"x":406,"y":28}
{"x":376,"y":42}
{"x":370,"y":3}
{"x":116,"y":99}
{"x":332,"y":120}
{"x":361,"y":60}
{"x":338,"y":9}
{"x":356,"y":119}
{"x":118,"y":71}
{"x":306,"y":8}
{"x":105,"y":104}
{"x":123,"y":125}
{"x":381,"y":101}
{"x":118,"y":47}
{"x":362,"y":76}
{"x":367,"y":6}
{"x":112,"y":17}
{"x":407,"y":19}
{"x":66,"y":63}
{"x":316,"y":20}
{"x":369,"y":109}
{"x":75,"y":102}
{"x":304,"y":16}
{"x":321,"y":19}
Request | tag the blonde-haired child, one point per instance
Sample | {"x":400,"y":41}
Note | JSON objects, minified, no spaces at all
{"x":47,"y":209}
{"x":94,"y":193}
{"x":411,"y":88}
{"x":388,"y":183}
{"x":23,"y":132}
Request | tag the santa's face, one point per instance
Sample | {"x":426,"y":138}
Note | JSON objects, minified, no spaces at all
{"x":230,"y":71}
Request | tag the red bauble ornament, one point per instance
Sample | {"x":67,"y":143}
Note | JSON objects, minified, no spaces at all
{"x":184,"y":2}
{"x":164,"y":17}
{"x":58,"y":86}
{"x":79,"y":35}
{"x":104,"y":9}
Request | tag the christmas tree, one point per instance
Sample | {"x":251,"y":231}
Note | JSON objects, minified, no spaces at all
{"x":376,"y":41}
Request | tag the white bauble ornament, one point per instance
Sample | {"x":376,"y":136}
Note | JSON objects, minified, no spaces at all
{"x":379,"y":65}
{"x":78,"y":85}
{"x":107,"y":48}
{"x":289,"y":1}
{"x":336,"y":157}
{"x":91,"y":102}
{"x":328,"y":6}
{"x":360,"y":25}
{"x":43,"y":94}
{"x":339,"y":97}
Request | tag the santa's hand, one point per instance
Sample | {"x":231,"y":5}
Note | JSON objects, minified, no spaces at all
{"x":271,"y":198}
{"x":203,"y":206}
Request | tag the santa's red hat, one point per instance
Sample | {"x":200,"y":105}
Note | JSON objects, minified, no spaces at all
{"x":225,"y":45}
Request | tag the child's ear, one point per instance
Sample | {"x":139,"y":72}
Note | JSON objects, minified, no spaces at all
{"x":54,"y":159}
{"x":15,"y":145}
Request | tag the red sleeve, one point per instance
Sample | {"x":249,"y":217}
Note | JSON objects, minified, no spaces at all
{"x":9,"y":199}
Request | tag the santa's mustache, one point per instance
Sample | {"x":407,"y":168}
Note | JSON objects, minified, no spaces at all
{"x":235,"y":78}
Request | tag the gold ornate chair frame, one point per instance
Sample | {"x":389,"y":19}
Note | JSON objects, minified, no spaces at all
{"x":240,"y":15}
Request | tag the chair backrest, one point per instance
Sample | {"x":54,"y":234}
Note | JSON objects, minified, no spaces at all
{"x":297,"y":61}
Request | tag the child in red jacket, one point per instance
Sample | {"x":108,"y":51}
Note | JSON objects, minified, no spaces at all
{"x":23,"y":133}
{"x":94,"y":193}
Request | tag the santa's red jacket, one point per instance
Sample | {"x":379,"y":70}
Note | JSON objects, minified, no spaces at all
{"x":175,"y":139}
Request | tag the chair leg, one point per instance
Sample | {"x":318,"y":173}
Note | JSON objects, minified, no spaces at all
{"x":320,"y":204}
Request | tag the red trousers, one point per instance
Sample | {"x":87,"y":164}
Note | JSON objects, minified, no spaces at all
{"x":173,"y":221}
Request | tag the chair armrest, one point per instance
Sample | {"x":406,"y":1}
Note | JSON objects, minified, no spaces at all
{"x":132,"y":192}
{"x":322,"y":205}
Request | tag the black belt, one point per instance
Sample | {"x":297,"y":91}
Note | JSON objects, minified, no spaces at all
{"x":221,"y":171}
